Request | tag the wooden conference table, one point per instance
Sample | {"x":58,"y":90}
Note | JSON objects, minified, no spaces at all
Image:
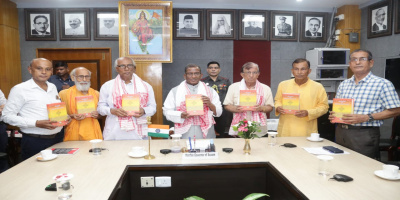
{"x":96,"y":176}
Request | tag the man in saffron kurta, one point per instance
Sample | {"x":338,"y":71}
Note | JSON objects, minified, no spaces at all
{"x":313,"y":102}
{"x":81,"y":127}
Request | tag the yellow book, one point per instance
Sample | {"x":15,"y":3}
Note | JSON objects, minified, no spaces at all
{"x":341,"y":107}
{"x":131,"y":103}
{"x":85,"y":105}
{"x":58,"y":112}
{"x":194,"y":104}
{"x":291,"y":102}
{"x":248,"y":99}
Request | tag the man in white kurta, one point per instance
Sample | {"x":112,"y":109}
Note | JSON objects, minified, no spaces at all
{"x":175,"y":108}
{"x":119,"y":125}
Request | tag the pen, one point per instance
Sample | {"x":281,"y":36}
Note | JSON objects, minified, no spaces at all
{"x":194,"y":141}
{"x":190,"y":143}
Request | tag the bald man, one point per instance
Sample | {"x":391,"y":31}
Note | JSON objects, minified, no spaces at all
{"x":26,"y":108}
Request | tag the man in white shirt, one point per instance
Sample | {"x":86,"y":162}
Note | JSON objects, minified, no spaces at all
{"x":119,"y":125}
{"x":201,"y":126}
{"x":26,"y":108}
{"x":109,"y":28}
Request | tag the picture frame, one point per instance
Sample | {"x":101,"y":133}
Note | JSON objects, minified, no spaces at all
{"x":397,"y":17}
{"x":221,"y":24}
{"x":146,"y":30}
{"x":40,"y":24}
{"x":313,"y":26}
{"x":188,"y":24}
{"x":284,"y":26}
{"x":74,"y":23}
{"x":106,"y":26}
{"x":379,"y":19}
{"x":253,"y":25}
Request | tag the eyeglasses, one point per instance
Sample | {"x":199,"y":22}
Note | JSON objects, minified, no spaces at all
{"x":193,"y":74}
{"x":250,"y":73}
{"x":81,"y":77}
{"x":361,"y":59}
{"x":129,"y":66}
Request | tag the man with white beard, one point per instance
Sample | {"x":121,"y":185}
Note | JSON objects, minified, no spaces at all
{"x":82,"y":127}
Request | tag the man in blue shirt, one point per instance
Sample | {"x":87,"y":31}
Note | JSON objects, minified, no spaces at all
{"x":62,"y":80}
{"x":375,"y":99}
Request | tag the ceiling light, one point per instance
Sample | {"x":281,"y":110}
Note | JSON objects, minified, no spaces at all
{"x":299,"y":0}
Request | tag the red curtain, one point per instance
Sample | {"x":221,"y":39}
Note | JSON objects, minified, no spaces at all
{"x":252,"y":51}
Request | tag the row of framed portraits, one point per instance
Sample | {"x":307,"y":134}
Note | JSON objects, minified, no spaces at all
{"x":253,"y":25}
{"x":73,"y":24}
{"x":380,"y":18}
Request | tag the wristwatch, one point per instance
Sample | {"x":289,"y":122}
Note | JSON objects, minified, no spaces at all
{"x":370,"y":118}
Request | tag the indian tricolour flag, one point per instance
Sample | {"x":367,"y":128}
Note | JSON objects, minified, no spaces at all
{"x":158,"y":130}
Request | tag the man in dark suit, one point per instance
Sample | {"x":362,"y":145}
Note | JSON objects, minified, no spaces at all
{"x":379,"y":18}
{"x":313,"y":26}
{"x":41,"y":24}
{"x":188,"y":26}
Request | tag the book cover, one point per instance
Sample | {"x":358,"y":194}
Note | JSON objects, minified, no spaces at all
{"x":341,"y":107}
{"x":291,"y":102}
{"x":158,"y":130}
{"x":66,"y":151}
{"x":248,"y":99}
{"x":58,"y":112}
{"x":85,"y":105}
{"x":194,"y":104}
{"x":131,"y":103}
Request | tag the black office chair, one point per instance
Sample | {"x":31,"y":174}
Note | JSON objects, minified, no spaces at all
{"x":391,"y":144}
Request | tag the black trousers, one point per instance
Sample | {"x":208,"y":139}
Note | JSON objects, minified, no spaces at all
{"x":33,"y":145}
{"x":364,"y":141}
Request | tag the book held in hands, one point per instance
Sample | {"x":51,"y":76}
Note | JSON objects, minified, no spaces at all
{"x":341,"y":107}
{"x":248,"y":99}
{"x":85,"y":105}
{"x":131,"y":103}
{"x":194,"y":104}
{"x":58,"y":112}
{"x":291,"y":102}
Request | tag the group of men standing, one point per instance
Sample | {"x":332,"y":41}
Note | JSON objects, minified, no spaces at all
{"x":375,"y":100}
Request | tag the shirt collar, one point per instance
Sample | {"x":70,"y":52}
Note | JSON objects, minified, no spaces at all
{"x":365,"y":79}
{"x":33,"y":84}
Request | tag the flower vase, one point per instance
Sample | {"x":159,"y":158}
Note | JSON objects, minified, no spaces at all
{"x":247,"y":147}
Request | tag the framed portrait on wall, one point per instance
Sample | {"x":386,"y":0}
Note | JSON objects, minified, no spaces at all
{"x":221,"y":25}
{"x":283,"y":26}
{"x":253,"y":25}
{"x":313,"y":27}
{"x":146,"y":30}
{"x":106,"y":23}
{"x":188,"y":24}
{"x":74,"y":24}
{"x":379,"y":19}
{"x":397,"y":16}
{"x":40,"y":24}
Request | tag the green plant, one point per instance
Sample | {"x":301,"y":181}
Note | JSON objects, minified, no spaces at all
{"x":247,"y":129}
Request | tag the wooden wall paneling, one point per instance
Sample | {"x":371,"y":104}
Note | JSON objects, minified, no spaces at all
{"x":351,"y":22}
{"x":8,"y":14}
{"x":152,"y":74}
{"x":102,"y":56}
{"x":10,"y":59}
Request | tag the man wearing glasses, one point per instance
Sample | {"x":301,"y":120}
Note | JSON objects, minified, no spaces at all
{"x":119,"y":125}
{"x":40,"y":25}
{"x":375,"y":99}
{"x":82,"y":127}
{"x":313,"y":102}
{"x":265,"y":103}
{"x":175,"y":107}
